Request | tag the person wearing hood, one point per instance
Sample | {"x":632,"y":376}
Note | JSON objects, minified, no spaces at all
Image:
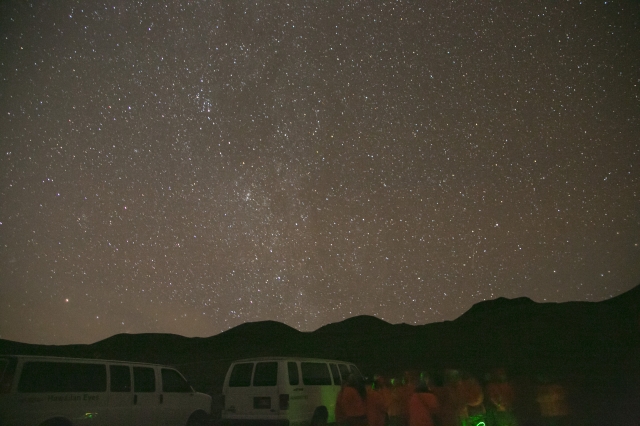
{"x":424,"y":406}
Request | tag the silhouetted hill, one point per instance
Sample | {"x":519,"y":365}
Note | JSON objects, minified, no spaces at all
{"x":595,"y":345}
{"x":357,"y":324}
{"x":262,"y":328}
{"x":491,"y":307}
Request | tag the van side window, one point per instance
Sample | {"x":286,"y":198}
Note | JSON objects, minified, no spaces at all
{"x":294,"y":377}
{"x":315,"y":373}
{"x":41,"y":376}
{"x":266,"y":374}
{"x":120,"y":378}
{"x":241,"y":375}
{"x":144,"y":379}
{"x":335,"y":374}
{"x":344,"y":371}
{"x":172,"y":381}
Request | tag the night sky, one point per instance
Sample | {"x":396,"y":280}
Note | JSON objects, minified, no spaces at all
{"x":187,"y":166}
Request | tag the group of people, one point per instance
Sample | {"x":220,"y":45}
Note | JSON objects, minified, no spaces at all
{"x":450,"y":399}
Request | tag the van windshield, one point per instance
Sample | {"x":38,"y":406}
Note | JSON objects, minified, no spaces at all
{"x":354,"y":370}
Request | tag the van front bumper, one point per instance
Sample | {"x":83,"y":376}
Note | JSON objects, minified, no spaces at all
{"x":252,"y":422}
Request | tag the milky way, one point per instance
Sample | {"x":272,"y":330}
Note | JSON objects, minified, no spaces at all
{"x":185,"y":167}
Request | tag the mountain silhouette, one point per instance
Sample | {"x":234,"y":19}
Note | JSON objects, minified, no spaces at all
{"x":356,"y":325}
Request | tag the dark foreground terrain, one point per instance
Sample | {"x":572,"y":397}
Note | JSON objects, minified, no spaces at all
{"x":589,"y":350}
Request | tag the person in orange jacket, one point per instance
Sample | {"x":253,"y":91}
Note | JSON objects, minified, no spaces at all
{"x":499,"y":390}
{"x":377,"y":403}
{"x":351,"y":403}
{"x":385,"y":391}
{"x":395,"y":403}
{"x":411,"y":379}
{"x":552,"y":399}
{"x":447,"y":389}
{"x":474,"y":411}
{"x":501,"y":397}
{"x":424,"y":406}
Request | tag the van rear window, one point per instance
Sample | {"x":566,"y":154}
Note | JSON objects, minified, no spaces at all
{"x":42,"y":376}
{"x":315,"y":373}
{"x":241,"y":375}
{"x":266,"y":374}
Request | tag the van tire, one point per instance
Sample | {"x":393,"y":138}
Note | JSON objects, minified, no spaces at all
{"x":199,"y":418}
{"x":320,"y":416}
{"x":56,"y":422}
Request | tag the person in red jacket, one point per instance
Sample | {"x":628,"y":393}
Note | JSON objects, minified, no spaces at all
{"x":405,"y":391}
{"x":395,"y":409}
{"x":377,"y":404}
{"x":424,"y":405}
{"x":351,"y":404}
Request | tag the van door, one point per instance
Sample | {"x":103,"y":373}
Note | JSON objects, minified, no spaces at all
{"x":120,"y":406}
{"x":146,"y":399}
{"x":177,"y":398}
{"x":265,"y":399}
{"x":297,"y":408}
{"x":238,"y":394}
{"x":317,"y":382}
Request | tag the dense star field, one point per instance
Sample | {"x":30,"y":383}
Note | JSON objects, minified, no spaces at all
{"x":187,"y":166}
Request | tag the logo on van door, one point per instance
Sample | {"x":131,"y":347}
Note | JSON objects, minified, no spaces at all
{"x":63,"y":398}
{"x":72,"y":398}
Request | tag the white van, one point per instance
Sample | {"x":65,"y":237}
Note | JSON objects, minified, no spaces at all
{"x":280,"y":390}
{"x":52,"y":391}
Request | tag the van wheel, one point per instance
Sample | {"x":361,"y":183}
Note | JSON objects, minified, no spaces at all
{"x":56,"y":422}
{"x":199,"y":418}
{"x":320,"y":416}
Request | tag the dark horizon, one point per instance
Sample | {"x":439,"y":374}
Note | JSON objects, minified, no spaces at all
{"x":486,"y":309}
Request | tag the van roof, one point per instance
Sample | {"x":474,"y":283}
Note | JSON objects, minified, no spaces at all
{"x":291,"y":358}
{"x":68,"y":359}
